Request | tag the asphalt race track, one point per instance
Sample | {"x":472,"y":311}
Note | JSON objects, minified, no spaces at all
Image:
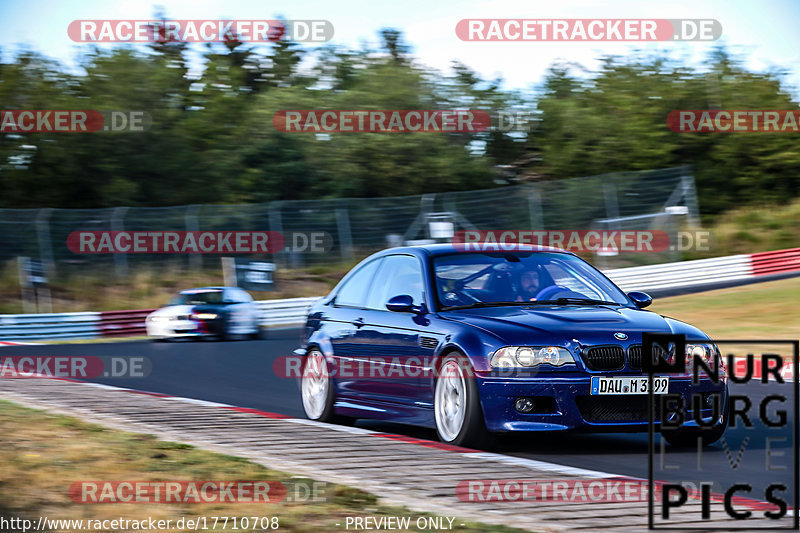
{"x":240,"y":373}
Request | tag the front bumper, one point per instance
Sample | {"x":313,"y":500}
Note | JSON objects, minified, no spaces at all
{"x":568,"y":404}
{"x":163,"y":329}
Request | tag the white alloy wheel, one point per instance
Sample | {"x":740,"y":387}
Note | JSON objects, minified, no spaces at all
{"x":450,"y":400}
{"x":315,"y":386}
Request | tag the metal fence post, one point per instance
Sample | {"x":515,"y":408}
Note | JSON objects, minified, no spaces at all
{"x":535,"y":208}
{"x":120,"y":259}
{"x":450,"y":207}
{"x":345,"y":235}
{"x":612,"y":208}
{"x":45,"y":243}
{"x":276,"y":224}
{"x":26,"y":291}
{"x":690,"y":196}
{"x":426,"y":204}
{"x":195,"y":261}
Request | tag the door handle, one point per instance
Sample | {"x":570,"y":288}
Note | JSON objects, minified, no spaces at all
{"x":358,"y":322}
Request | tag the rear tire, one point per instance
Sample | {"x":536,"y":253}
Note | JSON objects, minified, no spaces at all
{"x":317,"y":391}
{"x":225,"y":334}
{"x":457,"y":406}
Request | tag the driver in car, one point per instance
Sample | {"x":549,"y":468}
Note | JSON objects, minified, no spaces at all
{"x":529,"y":286}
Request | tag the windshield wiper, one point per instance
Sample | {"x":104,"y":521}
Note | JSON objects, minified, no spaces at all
{"x":557,"y":301}
{"x":578,"y":301}
{"x":491,"y":304}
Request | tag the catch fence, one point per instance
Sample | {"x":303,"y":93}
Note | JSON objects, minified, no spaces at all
{"x":662,"y":199}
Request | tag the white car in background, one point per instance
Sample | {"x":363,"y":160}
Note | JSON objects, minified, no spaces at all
{"x":222,"y":312}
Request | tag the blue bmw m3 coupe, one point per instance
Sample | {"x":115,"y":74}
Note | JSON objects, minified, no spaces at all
{"x":474,"y":343}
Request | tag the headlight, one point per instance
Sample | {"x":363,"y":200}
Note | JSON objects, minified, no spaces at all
{"x":204,"y":316}
{"x":708,"y":352}
{"x":155,"y":318}
{"x":527,"y":356}
{"x":704,"y":351}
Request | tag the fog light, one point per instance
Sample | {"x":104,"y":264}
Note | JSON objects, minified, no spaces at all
{"x":524,"y":405}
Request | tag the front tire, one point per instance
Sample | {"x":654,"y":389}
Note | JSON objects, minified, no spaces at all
{"x":456,"y":405}
{"x":226,"y":335}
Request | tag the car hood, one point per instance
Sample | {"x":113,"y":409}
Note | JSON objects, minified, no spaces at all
{"x":588,"y":325}
{"x":172,"y":311}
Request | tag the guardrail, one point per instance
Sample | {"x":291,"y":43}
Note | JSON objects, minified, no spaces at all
{"x":123,"y":323}
{"x":683,"y":274}
{"x":87,"y":325}
{"x":49,"y":326}
{"x":776,"y":262}
{"x":703,"y":273}
{"x":286,"y":312}
{"x":718,"y":271}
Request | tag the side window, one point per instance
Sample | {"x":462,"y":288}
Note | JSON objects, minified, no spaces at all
{"x":354,"y":291}
{"x":233,"y":295}
{"x":243,"y":296}
{"x":399,"y":274}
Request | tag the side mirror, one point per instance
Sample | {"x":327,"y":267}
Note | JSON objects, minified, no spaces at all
{"x":402,"y":303}
{"x":641,"y":299}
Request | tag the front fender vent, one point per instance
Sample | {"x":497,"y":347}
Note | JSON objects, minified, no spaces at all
{"x":428,"y":342}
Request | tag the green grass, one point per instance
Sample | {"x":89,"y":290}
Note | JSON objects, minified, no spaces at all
{"x":751,"y":229}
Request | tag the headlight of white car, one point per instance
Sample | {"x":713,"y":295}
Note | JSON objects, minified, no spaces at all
{"x":156,"y":318}
{"x":528,"y":356}
{"x":204,"y":316}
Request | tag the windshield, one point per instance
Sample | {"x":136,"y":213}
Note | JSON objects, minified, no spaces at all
{"x":197,"y":298}
{"x":476,"y":279}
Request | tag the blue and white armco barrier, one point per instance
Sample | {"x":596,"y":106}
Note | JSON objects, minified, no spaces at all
{"x":88,"y":325}
{"x":49,"y":326}
{"x":684,"y":276}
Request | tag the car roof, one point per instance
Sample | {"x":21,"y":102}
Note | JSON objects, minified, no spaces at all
{"x":449,"y":248}
{"x":198,"y":289}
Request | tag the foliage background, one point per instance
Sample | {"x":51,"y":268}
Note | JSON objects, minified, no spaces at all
{"x":212,"y":138}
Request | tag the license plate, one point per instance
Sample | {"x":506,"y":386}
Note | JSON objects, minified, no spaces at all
{"x":629,"y":385}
